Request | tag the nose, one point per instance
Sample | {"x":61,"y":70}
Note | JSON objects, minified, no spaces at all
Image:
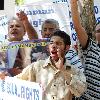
{"x":14,"y":28}
{"x":48,"y":32}
{"x":54,"y":46}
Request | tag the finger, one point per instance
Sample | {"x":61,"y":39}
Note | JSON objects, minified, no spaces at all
{"x":17,"y":14}
{"x":59,"y":53}
{"x":2,"y":75}
{"x":23,"y":16}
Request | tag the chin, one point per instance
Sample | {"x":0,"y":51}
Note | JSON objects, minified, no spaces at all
{"x":54,"y":58}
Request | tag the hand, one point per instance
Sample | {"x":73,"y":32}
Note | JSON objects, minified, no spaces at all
{"x":15,"y":71}
{"x":73,"y":1}
{"x":22,"y":16}
{"x":3,"y":56}
{"x":3,"y":75}
{"x":26,"y":62}
{"x":60,"y":63}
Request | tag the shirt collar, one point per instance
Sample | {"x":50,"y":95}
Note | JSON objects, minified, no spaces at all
{"x":49,"y":63}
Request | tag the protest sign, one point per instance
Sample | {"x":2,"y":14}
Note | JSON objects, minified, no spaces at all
{"x":14,"y":53}
{"x":38,"y":13}
{"x":56,"y":9}
{"x":3,"y":27}
{"x":40,"y":10}
{"x":15,"y":89}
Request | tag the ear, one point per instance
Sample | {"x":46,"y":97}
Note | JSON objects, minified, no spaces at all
{"x":42,"y":34}
{"x":67,"y":47}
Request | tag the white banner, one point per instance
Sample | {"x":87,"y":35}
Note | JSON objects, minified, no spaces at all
{"x":59,"y":11}
{"x":3,"y":27}
{"x":97,"y":10}
{"x":15,"y":89}
{"x":38,"y":13}
{"x":41,"y":10}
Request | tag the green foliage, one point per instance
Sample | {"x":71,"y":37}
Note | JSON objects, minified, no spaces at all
{"x":19,"y":2}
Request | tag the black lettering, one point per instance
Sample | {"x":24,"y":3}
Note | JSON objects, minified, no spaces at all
{"x":98,"y":20}
{"x":27,"y":94}
{"x":70,"y":14}
{"x":22,"y":92}
{"x":37,"y":95}
{"x":96,"y":9}
{"x":35,"y":23}
{"x":15,"y":90}
{"x":8,"y":88}
{"x":2,"y":85}
{"x":34,"y":91}
{"x":29,"y":13}
{"x":74,"y":36}
{"x":44,"y":11}
{"x":71,"y":25}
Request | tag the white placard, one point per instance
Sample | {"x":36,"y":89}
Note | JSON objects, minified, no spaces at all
{"x":15,"y":89}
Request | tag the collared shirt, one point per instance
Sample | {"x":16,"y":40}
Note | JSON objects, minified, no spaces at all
{"x":56,"y":84}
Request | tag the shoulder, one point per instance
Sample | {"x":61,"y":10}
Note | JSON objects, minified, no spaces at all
{"x":38,"y":64}
{"x":90,"y":44}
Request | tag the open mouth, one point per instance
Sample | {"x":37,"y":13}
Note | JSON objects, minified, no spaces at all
{"x":54,"y":52}
{"x":14,"y":32}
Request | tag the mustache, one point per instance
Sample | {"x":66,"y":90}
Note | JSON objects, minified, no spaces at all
{"x":13,"y":32}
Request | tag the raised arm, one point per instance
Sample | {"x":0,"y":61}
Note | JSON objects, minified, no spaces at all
{"x":81,"y":33}
{"x":31,"y":32}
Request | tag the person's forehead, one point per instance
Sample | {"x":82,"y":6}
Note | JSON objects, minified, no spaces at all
{"x":49,"y":25}
{"x":15,"y":22}
{"x":56,"y":38}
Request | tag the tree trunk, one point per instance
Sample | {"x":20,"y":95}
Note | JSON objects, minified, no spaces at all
{"x":88,"y":16}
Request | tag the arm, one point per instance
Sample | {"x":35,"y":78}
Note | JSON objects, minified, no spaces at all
{"x":77,"y":84}
{"x":75,"y":79}
{"x":25,"y":54}
{"x":27,"y":74}
{"x":81,"y":33}
{"x":32,"y":34}
{"x":73,"y":76}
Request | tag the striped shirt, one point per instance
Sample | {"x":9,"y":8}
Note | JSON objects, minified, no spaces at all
{"x":91,"y":55}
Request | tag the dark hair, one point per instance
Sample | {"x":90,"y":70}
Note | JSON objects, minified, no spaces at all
{"x":63,"y":35}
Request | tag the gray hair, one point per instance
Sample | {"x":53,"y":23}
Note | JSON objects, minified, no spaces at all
{"x":13,"y":18}
{"x":51,"y":21}
{"x":17,"y":19}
